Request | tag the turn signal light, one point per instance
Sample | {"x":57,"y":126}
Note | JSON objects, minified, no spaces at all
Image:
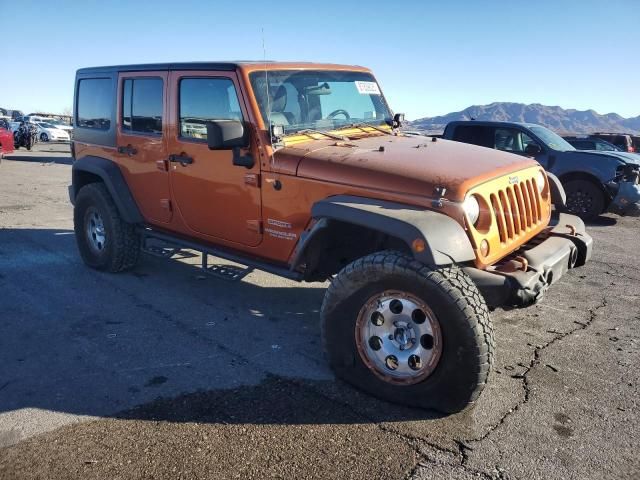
{"x":418,"y":245}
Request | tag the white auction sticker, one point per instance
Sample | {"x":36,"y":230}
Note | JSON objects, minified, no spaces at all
{"x":367,"y":88}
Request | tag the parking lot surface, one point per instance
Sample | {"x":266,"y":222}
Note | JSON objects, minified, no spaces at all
{"x":166,"y":372}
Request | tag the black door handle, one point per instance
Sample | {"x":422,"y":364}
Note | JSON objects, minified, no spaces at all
{"x":129,"y":150}
{"x":181,"y":159}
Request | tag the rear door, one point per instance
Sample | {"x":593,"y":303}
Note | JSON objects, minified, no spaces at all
{"x":142,"y":142}
{"x":214,"y":197}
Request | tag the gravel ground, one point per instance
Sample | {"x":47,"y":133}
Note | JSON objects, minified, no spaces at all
{"x":167,"y":373}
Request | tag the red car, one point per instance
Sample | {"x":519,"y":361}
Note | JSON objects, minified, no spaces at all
{"x":6,"y":141}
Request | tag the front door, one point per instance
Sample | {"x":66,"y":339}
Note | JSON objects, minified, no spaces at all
{"x":142,"y":143}
{"x":214,"y":198}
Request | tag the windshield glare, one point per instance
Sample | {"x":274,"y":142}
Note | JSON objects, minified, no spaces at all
{"x":551,"y":139}
{"x":319,"y":100}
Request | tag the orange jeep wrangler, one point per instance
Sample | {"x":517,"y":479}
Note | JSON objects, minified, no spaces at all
{"x":299,"y":169}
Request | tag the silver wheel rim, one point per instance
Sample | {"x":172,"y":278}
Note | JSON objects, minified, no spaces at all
{"x":398,"y":337}
{"x":95,"y":231}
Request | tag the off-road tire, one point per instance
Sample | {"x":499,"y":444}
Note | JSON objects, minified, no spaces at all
{"x":467,"y":334}
{"x":584,"y":198}
{"x":122,"y":246}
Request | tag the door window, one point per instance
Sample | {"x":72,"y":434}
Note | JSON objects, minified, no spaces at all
{"x":142,"y":105}
{"x":203,"y":100}
{"x":474,"y":134}
{"x":584,"y":144}
{"x":512,"y":140}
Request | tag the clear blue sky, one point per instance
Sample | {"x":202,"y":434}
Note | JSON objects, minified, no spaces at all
{"x":430,"y":57}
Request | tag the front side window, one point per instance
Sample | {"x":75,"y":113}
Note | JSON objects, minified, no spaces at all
{"x":203,"y":100}
{"x":321,"y":100}
{"x":512,"y":140}
{"x":95,"y":103}
{"x":142,"y":105}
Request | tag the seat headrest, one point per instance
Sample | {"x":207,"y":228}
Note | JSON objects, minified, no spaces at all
{"x":279,"y":99}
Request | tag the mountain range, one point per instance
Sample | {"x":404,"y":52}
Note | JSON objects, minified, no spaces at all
{"x":556,"y":118}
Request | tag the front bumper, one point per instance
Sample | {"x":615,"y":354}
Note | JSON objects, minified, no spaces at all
{"x":627,"y":200}
{"x":522,"y":278}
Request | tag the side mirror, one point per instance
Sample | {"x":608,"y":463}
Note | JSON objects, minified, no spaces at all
{"x":533,"y":149}
{"x":398,"y":120}
{"x":226,"y":135}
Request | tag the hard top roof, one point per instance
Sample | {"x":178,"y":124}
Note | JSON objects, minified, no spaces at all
{"x":223,"y":66}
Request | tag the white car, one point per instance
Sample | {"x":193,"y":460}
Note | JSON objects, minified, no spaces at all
{"x":48,"y":132}
{"x":58,"y":124}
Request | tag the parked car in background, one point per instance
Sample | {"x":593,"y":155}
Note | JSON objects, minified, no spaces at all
{"x":594,"y":181}
{"x":622,"y":140}
{"x":13,"y":114}
{"x":6,"y":137}
{"x":50,"y":133}
{"x":59,"y":124}
{"x":636,"y":143}
{"x":591,"y":143}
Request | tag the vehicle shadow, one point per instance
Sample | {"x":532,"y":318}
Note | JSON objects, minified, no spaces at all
{"x":38,"y":157}
{"x":602,"y":221}
{"x":164,"y":342}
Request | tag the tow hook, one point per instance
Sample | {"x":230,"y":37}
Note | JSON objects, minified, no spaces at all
{"x":515,"y":264}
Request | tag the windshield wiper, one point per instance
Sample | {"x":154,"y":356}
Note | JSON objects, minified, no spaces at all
{"x":364,"y":125}
{"x":307,"y":131}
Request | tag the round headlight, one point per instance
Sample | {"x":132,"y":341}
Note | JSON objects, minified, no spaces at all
{"x":472,"y":208}
{"x":541,"y":181}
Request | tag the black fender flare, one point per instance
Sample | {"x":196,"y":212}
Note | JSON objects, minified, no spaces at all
{"x":445,"y":239}
{"x":110,"y":174}
{"x":558,"y":195}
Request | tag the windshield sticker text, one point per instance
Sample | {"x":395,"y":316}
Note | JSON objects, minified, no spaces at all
{"x":367,"y":88}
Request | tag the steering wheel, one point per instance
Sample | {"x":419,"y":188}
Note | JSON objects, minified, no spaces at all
{"x":340,"y":111}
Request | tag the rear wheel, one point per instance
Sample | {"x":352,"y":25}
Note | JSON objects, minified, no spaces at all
{"x":105,"y":241}
{"x":407,"y":333}
{"x":584,"y":198}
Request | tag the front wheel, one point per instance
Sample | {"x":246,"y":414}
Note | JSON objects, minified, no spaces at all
{"x":44,"y":137}
{"x":408,"y":333}
{"x":584,"y":199}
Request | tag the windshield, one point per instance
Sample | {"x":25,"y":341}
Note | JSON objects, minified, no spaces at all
{"x":552,"y":140}
{"x":319,"y":100}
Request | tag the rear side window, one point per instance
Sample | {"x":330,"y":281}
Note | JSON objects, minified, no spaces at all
{"x":94,"y":103}
{"x":142,"y":105}
{"x":474,"y":134}
{"x":203,"y":100}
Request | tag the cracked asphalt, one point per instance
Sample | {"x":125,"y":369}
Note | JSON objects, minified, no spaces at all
{"x":168,"y":373}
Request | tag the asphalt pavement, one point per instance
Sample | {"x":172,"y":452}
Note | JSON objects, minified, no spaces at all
{"x":166,"y":372}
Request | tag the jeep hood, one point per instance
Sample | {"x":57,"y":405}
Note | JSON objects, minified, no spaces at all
{"x":410,"y":165}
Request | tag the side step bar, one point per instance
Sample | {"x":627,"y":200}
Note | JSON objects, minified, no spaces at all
{"x":228,"y":272}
